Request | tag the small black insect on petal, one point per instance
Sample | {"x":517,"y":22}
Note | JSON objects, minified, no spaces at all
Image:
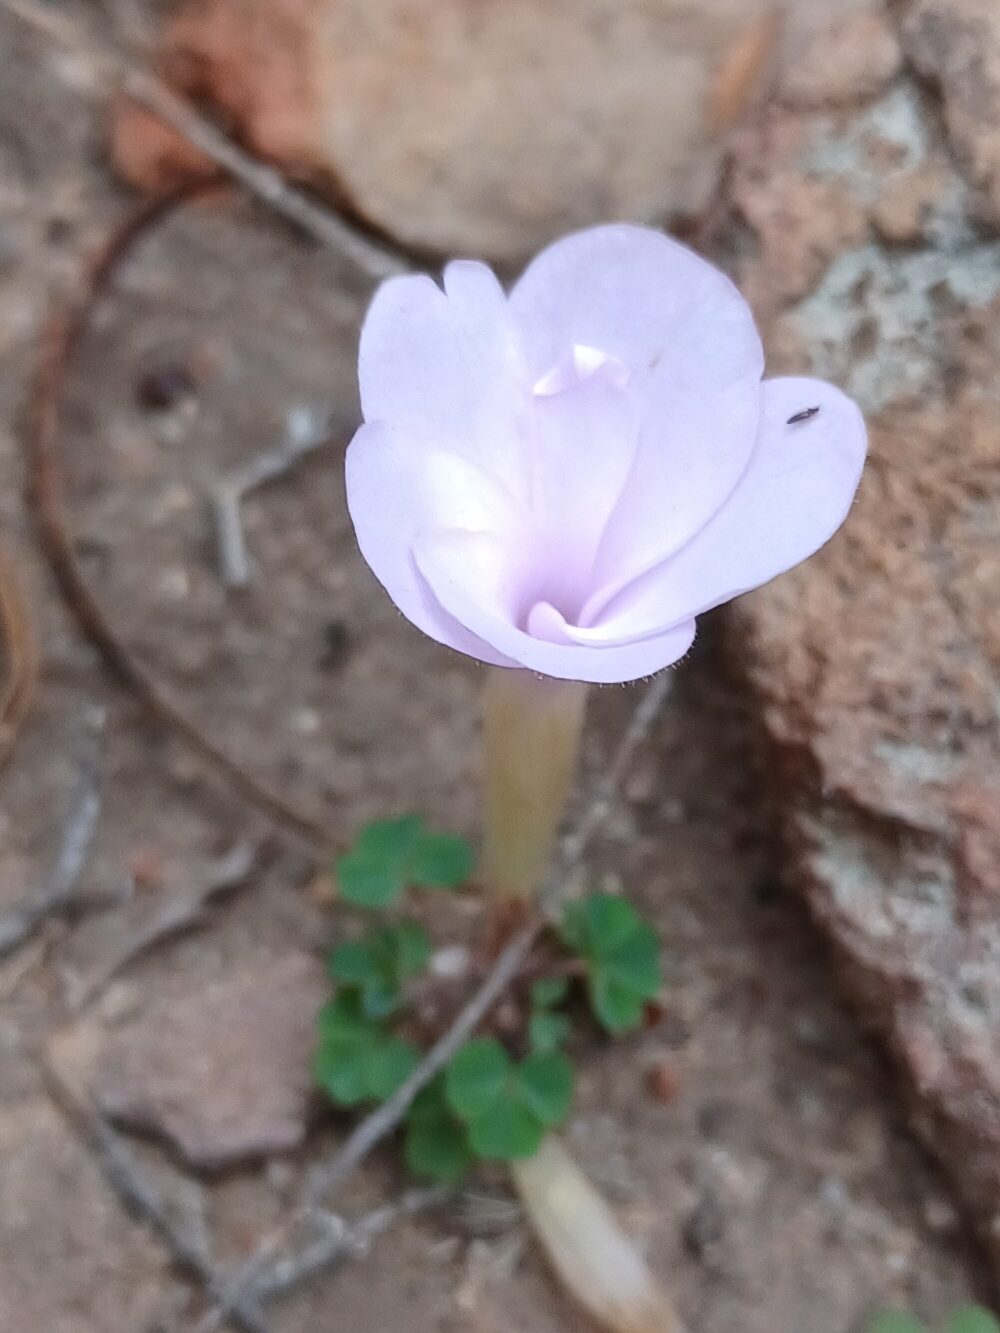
{"x":806,"y":414}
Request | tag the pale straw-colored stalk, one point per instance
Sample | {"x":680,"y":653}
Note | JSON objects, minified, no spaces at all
{"x":531,"y":731}
{"x":532,"y":727}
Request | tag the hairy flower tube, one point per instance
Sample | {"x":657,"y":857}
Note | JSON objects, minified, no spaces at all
{"x":563,"y":478}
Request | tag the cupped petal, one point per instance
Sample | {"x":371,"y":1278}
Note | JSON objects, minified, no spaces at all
{"x":695,"y":360}
{"x":794,"y":495}
{"x":399,"y":484}
{"x":449,"y":363}
{"x":634,"y":294}
{"x":693,"y":449}
{"x":584,"y":444}
{"x":473,"y":579}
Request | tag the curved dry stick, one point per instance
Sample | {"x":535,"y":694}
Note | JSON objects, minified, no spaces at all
{"x":261,"y":179}
{"x":20,"y":645}
{"x":47,"y":498}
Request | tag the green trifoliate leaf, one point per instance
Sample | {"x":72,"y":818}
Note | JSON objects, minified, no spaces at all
{"x":548,"y":992}
{"x":354,"y":963}
{"x":439,"y":1150}
{"x":598,"y":924}
{"x":356,"y":1058}
{"x":368,"y":882}
{"x":545,"y":1080}
{"x":622,"y":955}
{"x":391,"y":854}
{"x":339,"y":1069}
{"x":389,"y":1064}
{"x":618,"y":1008}
{"x":547,"y":1032}
{"x":635,"y":962}
{"x":437,"y":1144}
{"x":442,"y":861}
{"x":392,"y":841}
{"x":508,"y":1129}
{"x":379,"y":963}
{"x":476,"y":1077}
{"x":412,"y":949}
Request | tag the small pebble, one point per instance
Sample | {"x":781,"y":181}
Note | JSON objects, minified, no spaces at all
{"x":121,"y":1000}
{"x":664,"y":1082}
{"x":451,"y":963}
{"x":940,"y":1215}
{"x":306,"y":721}
{"x":174,"y":583}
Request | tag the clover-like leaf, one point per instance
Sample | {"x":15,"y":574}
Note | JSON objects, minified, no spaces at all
{"x":971,"y":1319}
{"x":391,"y":854}
{"x":442,"y":861}
{"x":476,"y":1076}
{"x":597,"y":924}
{"x":546,"y":1031}
{"x":618,"y":1008}
{"x":548,"y":991}
{"x":358,"y":1059}
{"x":622,"y":955}
{"x":546,"y":1083}
{"x":368,"y":882}
{"x":379,"y":963}
{"x":345,"y":1036}
{"x":439,"y":1150}
{"x":508,"y":1129}
{"x":635,"y":962}
{"x":353,"y":963}
{"x":339,"y":1069}
{"x":436,"y":1142}
{"x":387,"y":1065}
{"x":506,"y":1107}
{"x":412,"y":949}
{"x":392,"y":841}
{"x":342,"y":1017}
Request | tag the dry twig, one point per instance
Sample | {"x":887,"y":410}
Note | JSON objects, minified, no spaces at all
{"x":304,"y":433}
{"x":261,"y":180}
{"x":337,"y":1239}
{"x":48,"y":495}
{"x":381,"y":1122}
{"x":139,"y":1195}
{"x":74,"y":846}
{"x":175,"y":910}
{"x":342,"y":1240}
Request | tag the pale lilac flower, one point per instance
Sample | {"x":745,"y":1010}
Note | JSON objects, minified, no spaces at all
{"x":564,"y":478}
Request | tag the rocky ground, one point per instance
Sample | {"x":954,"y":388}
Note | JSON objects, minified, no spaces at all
{"x":833,"y":742}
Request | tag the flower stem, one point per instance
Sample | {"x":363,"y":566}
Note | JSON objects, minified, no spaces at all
{"x":532,"y":727}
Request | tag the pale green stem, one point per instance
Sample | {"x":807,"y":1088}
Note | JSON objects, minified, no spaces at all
{"x":531,"y":732}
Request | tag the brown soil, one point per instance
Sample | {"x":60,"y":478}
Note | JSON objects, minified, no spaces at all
{"x":775,"y":1190}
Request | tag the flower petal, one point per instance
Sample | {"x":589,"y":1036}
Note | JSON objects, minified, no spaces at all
{"x":449,"y":363}
{"x":584,"y":444}
{"x":794,"y":495}
{"x":634,"y":294}
{"x":471,"y":577}
{"x":399,"y":484}
{"x":695,"y":360}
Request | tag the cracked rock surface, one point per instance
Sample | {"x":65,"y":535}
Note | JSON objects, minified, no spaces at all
{"x":878,"y":664}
